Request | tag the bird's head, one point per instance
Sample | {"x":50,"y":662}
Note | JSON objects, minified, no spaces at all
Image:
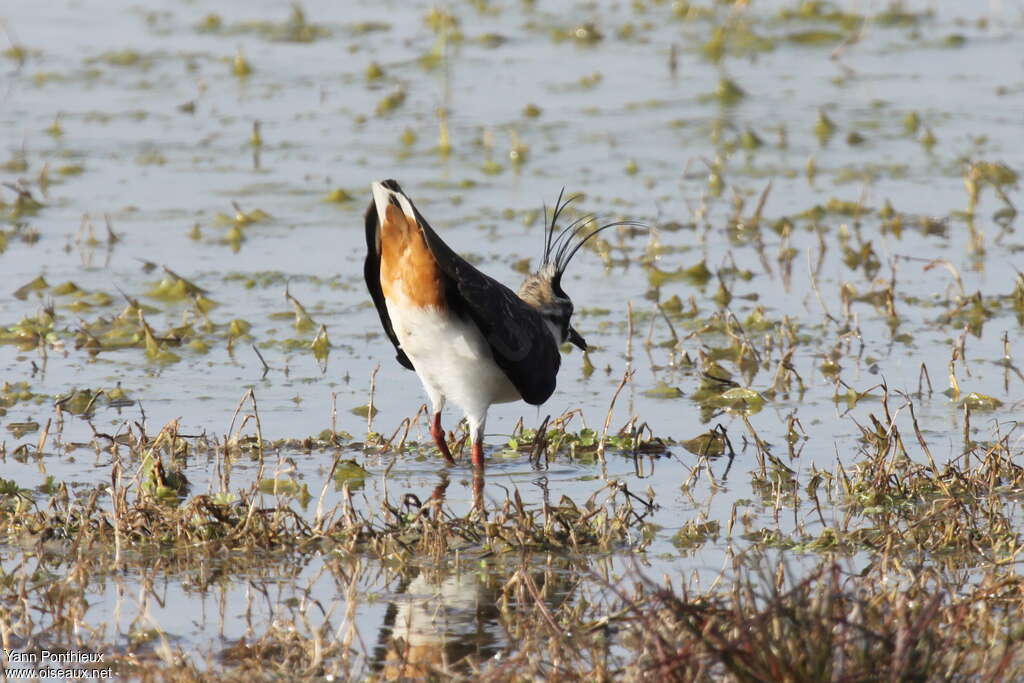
{"x":543,"y":289}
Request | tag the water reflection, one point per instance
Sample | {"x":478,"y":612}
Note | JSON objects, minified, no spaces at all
{"x":440,"y":621}
{"x":448,"y":618}
{"x":441,"y":618}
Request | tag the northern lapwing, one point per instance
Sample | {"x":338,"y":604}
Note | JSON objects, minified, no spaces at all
{"x":471,"y":339}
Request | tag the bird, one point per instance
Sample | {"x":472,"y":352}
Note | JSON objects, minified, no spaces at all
{"x":469,"y":338}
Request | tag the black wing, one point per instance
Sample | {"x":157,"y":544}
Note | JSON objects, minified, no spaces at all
{"x":520,"y":341}
{"x":371,"y":271}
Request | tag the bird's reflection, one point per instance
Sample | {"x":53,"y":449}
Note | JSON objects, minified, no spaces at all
{"x":449,"y":617}
{"x":443,"y":616}
{"x":436,"y":500}
{"x":441,"y":619}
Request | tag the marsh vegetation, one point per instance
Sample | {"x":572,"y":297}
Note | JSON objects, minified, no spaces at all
{"x":792,"y":452}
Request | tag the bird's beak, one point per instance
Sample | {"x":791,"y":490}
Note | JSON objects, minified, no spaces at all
{"x":576,"y":340}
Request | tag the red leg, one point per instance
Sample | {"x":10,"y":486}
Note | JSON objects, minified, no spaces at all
{"x":478,"y":455}
{"x":438,"y":433}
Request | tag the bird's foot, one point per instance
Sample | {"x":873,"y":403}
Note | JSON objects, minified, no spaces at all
{"x":437,"y":432}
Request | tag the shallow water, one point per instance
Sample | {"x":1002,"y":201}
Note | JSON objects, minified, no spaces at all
{"x":638,"y":141}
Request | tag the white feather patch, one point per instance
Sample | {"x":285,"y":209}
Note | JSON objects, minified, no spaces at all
{"x":406,"y":205}
{"x":381,"y":195}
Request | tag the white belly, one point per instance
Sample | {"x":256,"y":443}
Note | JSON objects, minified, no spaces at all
{"x":452,"y":358}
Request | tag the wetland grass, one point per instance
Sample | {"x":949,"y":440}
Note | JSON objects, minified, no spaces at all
{"x":146,"y":522}
{"x":769,"y":486}
{"x":910,"y":567}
